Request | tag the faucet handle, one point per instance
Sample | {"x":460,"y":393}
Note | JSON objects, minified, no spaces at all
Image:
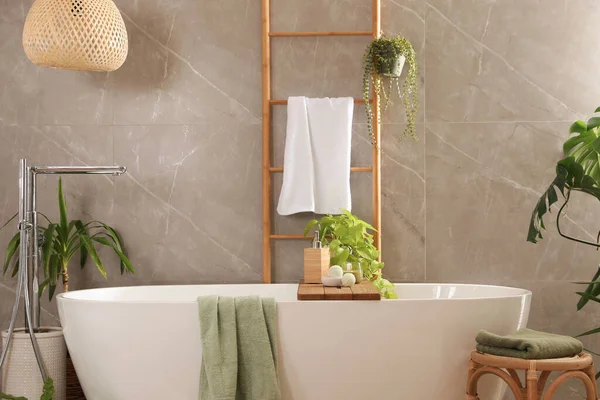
{"x":24,"y":225}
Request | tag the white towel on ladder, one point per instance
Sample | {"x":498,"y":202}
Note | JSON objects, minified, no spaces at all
{"x":316,"y":167}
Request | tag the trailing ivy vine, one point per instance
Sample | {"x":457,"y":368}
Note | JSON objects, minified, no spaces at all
{"x":380,"y":63}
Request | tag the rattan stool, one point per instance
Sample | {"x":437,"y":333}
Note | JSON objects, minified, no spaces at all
{"x":580,"y":367}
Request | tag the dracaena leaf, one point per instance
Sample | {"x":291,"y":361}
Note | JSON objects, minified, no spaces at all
{"x":83,"y":253}
{"x":44,"y":285}
{"x":105,"y":242}
{"x":51,"y":291}
{"x":47,"y":247}
{"x":89,"y":246}
{"x":62,"y":208}
{"x":53,"y":269}
{"x":15,"y":268}
{"x":117,"y":244}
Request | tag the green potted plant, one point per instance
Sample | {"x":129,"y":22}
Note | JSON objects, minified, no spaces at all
{"x":61,"y":242}
{"x":65,"y":239}
{"x":579,"y":171}
{"x":383,"y":60}
{"x":349,"y":240}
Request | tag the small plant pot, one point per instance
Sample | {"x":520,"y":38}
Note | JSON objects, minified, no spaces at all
{"x":391,"y":67}
{"x":21,"y":375}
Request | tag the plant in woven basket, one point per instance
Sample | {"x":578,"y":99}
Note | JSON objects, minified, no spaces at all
{"x":62,"y":241}
{"x":350,"y":240}
{"x":579,"y":172}
{"x":383,"y":61}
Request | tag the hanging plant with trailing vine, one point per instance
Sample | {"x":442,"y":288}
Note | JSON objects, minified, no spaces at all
{"x":383,"y":61}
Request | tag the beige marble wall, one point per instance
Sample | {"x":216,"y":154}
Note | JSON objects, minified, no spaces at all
{"x":500,"y":82}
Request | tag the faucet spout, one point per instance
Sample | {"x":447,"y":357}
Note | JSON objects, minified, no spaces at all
{"x":72,"y":170}
{"x":29,"y":206}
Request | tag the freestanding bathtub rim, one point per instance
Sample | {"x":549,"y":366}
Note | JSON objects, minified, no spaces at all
{"x":126,"y":337}
{"x":77,"y":295}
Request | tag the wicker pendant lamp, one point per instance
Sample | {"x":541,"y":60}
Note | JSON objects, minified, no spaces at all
{"x":85,"y":35}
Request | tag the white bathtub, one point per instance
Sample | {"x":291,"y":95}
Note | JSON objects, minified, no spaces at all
{"x":143,"y":343}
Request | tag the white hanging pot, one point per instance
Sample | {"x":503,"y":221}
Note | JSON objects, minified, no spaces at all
{"x":21,"y":375}
{"x":392,"y":67}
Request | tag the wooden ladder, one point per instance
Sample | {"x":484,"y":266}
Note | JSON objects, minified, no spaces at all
{"x":267,"y":102}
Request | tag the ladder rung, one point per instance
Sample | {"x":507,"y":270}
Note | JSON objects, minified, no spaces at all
{"x":287,"y":237}
{"x":352,"y":169}
{"x":303,"y":34}
{"x":280,"y":102}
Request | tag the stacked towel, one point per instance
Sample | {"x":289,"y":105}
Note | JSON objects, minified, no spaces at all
{"x":316,"y":176}
{"x":528,"y":344}
{"x":239,"y":348}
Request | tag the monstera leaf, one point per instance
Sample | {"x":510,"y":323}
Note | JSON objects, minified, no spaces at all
{"x":584,"y":145}
{"x":570,"y":175}
{"x":579,"y":171}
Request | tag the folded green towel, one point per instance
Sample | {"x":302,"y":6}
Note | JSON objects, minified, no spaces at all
{"x":239,"y":348}
{"x":528,"y":344}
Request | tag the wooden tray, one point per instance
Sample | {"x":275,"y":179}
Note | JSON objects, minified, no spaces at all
{"x":316,"y":291}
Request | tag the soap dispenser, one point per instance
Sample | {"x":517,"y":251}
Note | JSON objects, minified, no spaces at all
{"x":316,"y":261}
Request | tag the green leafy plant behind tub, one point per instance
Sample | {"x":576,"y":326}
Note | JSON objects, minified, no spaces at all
{"x":349,"y":240}
{"x":65,"y":239}
{"x":579,"y":172}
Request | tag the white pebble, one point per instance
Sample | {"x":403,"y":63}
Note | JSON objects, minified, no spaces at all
{"x":335,"y":271}
{"x":348,"y":279}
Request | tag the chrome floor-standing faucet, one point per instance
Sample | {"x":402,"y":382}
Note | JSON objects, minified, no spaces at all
{"x":28,"y":278}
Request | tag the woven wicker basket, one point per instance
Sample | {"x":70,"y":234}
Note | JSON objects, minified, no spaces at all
{"x":87,"y":35}
{"x":21,"y":376}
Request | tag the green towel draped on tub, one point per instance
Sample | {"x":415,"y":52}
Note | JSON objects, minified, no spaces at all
{"x":239,"y":348}
{"x":528,"y":344}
